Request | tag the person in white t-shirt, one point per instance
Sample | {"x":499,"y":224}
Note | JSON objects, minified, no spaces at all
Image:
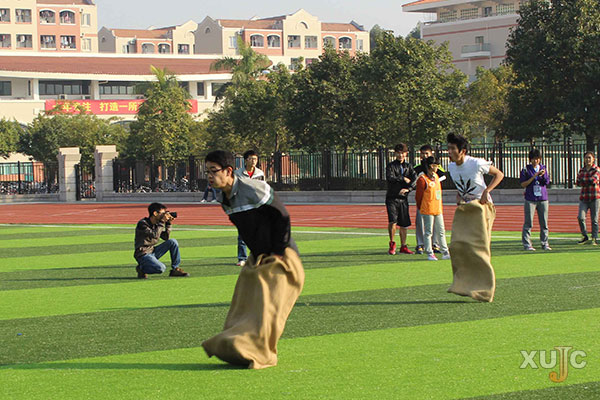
{"x":470,"y":246}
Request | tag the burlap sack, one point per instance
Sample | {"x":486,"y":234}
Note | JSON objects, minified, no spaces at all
{"x":471,"y":253}
{"x":265,"y":293}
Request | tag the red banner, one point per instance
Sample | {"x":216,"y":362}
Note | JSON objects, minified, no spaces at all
{"x":104,"y":107}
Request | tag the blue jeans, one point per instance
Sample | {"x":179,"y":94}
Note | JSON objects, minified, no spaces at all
{"x":149,"y":262}
{"x":594,"y":207}
{"x":242,"y":250}
{"x":214,"y":193}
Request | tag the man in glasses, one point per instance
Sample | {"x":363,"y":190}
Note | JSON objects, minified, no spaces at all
{"x":271,"y":280}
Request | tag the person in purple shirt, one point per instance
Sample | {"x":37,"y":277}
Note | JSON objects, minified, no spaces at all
{"x":534,"y":178}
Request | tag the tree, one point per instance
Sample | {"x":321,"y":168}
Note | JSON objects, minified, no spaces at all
{"x":323,"y":108}
{"x":555,"y":54}
{"x":248,"y":66}
{"x":163,"y":125}
{"x":415,"y":91}
{"x":415,"y":33}
{"x":54,"y":129}
{"x":486,"y":101}
{"x":10,"y":132}
{"x":374,"y":34}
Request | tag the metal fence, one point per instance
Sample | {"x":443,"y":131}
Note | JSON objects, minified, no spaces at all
{"x":28,"y":178}
{"x":85,"y":183}
{"x":353,"y":170}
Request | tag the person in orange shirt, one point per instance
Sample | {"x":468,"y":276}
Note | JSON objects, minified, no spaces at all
{"x":429,"y":203}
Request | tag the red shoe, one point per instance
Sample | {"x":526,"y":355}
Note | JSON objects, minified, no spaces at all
{"x":392,"y":249}
{"x":405,"y":250}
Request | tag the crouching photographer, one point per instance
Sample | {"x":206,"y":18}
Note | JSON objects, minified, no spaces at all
{"x":148,"y":233}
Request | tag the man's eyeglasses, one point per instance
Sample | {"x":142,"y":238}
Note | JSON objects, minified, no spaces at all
{"x":213,"y":172}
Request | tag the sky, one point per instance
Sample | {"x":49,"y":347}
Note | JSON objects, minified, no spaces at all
{"x":141,"y":14}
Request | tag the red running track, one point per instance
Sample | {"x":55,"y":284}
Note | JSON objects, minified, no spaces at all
{"x":562,"y":218}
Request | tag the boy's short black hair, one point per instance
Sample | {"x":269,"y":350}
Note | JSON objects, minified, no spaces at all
{"x":426,"y":147}
{"x":223,"y":158}
{"x":430,"y":161}
{"x":155,"y":207}
{"x":534,"y":154}
{"x":460,"y":141}
{"x":400,"y":148}
{"x":250,"y":153}
{"x":590,"y":153}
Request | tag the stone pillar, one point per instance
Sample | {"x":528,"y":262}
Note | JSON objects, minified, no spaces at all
{"x":104,"y":156}
{"x":68,"y":157}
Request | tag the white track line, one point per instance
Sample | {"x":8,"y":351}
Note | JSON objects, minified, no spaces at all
{"x":235,"y":230}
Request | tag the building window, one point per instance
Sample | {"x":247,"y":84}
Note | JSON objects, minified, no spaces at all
{"x":118,"y":88}
{"x":147,"y":48}
{"x":345,"y":43}
{"x":4,"y":40}
{"x":257,"y":41}
{"x":447,"y":16}
{"x":86,"y":44}
{"x":273,"y":41}
{"x":215,"y":87}
{"x":487,"y":11}
{"x":67,"y":17}
{"x":293,"y":41}
{"x":47,"y":17}
{"x":360,"y":45}
{"x":233,"y":42}
{"x":48,"y":41}
{"x":24,"y":41}
{"x":4,"y":15}
{"x":295,"y":64}
{"x":86,"y":19}
{"x":310,"y":61}
{"x":200,"y":88}
{"x":183,"y":48}
{"x":164,"y":48}
{"x":23,"y":16}
{"x":329,"y":41}
{"x":207,"y":31}
{"x":5,"y":88}
{"x":503,"y":9}
{"x":469,"y":13}
{"x":68,"y":43}
{"x":311,"y":42}
{"x":55,"y":88}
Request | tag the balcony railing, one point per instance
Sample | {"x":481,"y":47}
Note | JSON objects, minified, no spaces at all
{"x":476,"y":50}
{"x":483,"y":15}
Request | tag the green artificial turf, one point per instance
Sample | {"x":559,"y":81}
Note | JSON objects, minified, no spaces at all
{"x":75,"y":323}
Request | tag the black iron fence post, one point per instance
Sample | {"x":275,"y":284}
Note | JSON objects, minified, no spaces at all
{"x":327,"y":167}
{"x":381,"y":155}
{"x":500,"y":156}
{"x":570,"y":162}
{"x":20,"y":190}
{"x":277,"y":166}
{"x":192,"y":178}
{"x":116,"y":176}
{"x":77,"y":182}
{"x":152,"y":175}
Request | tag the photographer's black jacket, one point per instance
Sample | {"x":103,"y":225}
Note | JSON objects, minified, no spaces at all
{"x":395,"y":172}
{"x":147,"y":235}
{"x":260,"y":217}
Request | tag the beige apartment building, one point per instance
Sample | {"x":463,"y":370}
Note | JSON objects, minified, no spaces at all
{"x":104,"y":84}
{"x":476,"y":31}
{"x":177,"y":39}
{"x":48,"y":26}
{"x":284,"y":39}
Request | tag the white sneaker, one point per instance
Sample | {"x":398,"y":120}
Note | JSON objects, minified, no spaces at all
{"x":446,"y":256}
{"x":213,"y":200}
{"x":432,"y":258}
{"x":530,"y":248}
{"x":241,"y":263}
{"x":202,"y":201}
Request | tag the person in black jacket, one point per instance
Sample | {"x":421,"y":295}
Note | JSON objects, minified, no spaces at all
{"x":400,"y":177}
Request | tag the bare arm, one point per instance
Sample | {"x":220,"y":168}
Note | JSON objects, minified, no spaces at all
{"x":498,"y":176}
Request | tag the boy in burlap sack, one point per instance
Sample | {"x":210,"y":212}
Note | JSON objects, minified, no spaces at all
{"x":271,"y":280}
{"x":470,"y":246}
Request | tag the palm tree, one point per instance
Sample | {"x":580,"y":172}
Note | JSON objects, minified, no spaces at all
{"x":249,"y":66}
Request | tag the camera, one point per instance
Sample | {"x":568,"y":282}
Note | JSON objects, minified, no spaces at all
{"x":173,"y":214}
